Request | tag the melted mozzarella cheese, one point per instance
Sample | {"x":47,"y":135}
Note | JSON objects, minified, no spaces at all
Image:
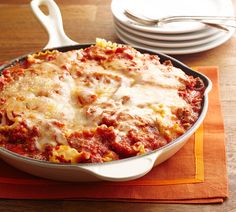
{"x":167,"y":79}
{"x":48,"y":92}
{"x":142,"y":94}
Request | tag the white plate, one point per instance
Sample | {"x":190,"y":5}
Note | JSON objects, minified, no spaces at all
{"x":169,"y":44}
{"x":162,"y":8}
{"x":178,"y":51}
{"x":169,"y":37}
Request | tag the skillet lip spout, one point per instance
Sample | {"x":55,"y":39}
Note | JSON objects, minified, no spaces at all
{"x":163,"y":57}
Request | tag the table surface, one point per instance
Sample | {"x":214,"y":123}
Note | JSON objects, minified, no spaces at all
{"x":84,"y":20}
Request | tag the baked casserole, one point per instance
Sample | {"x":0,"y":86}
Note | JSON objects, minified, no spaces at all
{"x":102,"y":103}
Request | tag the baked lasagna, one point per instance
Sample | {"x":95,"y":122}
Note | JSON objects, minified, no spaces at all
{"x":97,"y":104}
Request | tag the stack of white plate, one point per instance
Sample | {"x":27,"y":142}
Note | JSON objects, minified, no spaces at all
{"x":172,"y":38}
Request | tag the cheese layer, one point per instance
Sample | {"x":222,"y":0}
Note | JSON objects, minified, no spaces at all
{"x":77,"y":90}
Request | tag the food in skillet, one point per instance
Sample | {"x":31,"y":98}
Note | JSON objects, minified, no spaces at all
{"x":102,"y":103}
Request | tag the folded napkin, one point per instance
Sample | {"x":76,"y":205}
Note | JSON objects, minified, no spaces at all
{"x":195,"y":174}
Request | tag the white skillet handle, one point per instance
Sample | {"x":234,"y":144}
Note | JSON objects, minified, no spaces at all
{"x":125,"y":170}
{"x":52,"y":23}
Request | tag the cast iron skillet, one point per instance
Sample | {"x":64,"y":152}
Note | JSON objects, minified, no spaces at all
{"x":120,"y":170}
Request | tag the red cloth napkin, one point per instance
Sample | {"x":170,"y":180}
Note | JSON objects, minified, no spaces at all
{"x":195,"y":174}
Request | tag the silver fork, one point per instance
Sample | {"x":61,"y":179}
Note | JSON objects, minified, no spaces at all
{"x":139,"y":18}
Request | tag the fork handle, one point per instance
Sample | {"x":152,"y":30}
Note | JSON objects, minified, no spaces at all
{"x":139,"y":18}
{"x":197,"y":18}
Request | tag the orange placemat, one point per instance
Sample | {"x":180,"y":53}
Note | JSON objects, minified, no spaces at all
{"x":195,"y":174}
